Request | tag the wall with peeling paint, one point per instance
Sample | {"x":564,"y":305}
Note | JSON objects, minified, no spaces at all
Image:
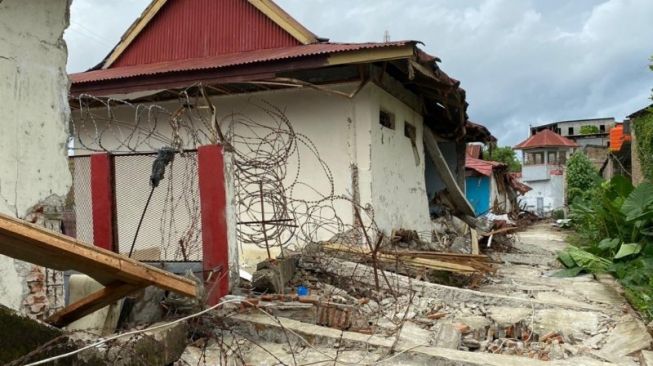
{"x":33,"y":166}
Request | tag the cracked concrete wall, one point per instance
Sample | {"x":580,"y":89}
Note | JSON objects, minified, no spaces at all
{"x":33,"y":164}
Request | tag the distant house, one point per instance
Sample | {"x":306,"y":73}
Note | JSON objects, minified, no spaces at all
{"x":573,"y":130}
{"x":489,"y":186}
{"x":544,"y":157}
{"x":366,"y":108}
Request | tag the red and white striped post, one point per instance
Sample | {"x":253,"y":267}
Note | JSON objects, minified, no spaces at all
{"x":103,"y":201}
{"x":213,"y":204}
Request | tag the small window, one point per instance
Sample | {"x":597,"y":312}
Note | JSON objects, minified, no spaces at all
{"x":602,"y":128}
{"x":552,"y":158}
{"x":570,"y":131}
{"x":535,"y":158}
{"x":410,"y":132}
{"x":387,"y":119}
{"x":562,"y":157}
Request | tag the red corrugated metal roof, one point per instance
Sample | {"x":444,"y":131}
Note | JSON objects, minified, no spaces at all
{"x":185,"y":29}
{"x":220,"y":61}
{"x":484,"y":167}
{"x":545,"y":138}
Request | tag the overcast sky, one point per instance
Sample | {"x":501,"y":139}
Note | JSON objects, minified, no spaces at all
{"x":522,"y":62}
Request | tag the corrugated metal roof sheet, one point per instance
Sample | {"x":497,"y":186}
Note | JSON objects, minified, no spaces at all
{"x":185,"y":29}
{"x":545,"y":138}
{"x":221,"y":61}
{"x":484,"y":167}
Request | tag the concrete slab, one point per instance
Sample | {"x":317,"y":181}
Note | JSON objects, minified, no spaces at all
{"x":564,"y":300}
{"x":629,"y":336}
{"x":569,"y":322}
{"x":280,"y":330}
{"x":507,"y":316}
{"x":102,"y":322}
{"x":646,"y":358}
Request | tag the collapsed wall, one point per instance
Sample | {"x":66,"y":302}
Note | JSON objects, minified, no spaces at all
{"x":34,"y":174}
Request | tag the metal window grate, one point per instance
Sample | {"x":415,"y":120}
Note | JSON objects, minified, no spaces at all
{"x":171,"y":229}
{"x":82,"y":204}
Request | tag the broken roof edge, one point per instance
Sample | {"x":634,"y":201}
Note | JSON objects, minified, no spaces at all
{"x":268,"y":7}
{"x":336,"y":54}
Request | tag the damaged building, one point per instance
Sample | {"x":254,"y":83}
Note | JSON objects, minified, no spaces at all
{"x":217,"y":133}
{"x":376,"y":128}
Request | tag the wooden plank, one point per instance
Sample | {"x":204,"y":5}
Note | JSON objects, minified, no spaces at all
{"x":22,"y":240}
{"x":474,"y":235}
{"x":95,"y":301}
{"x":501,"y":231}
{"x":457,"y":195}
{"x":409,"y":261}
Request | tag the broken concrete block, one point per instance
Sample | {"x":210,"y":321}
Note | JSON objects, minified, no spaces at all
{"x":628,"y":336}
{"x":446,"y":335}
{"x":144,"y":306}
{"x":159,"y":347}
{"x":271,"y":276}
{"x":412,"y":335}
{"x":21,"y":335}
{"x":646,"y":358}
{"x":101,"y":322}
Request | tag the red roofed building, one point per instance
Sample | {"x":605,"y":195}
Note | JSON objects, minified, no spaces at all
{"x":544,"y":157}
{"x":358,"y":110}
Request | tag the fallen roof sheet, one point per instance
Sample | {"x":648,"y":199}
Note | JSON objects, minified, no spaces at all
{"x":484,"y":167}
{"x":227,"y":60}
{"x":121,"y":275}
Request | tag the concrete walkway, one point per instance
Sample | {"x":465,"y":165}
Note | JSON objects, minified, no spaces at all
{"x":592,"y":314}
{"x":519,"y":316}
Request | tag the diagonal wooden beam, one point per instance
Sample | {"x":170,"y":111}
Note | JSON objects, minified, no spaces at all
{"x":93,"y":302}
{"x":22,"y":240}
{"x":457,"y":195}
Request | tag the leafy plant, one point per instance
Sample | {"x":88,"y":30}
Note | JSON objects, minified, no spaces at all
{"x":614,"y":233}
{"x":504,"y":154}
{"x":588,"y":130}
{"x":582,"y":177}
{"x":643,"y":128}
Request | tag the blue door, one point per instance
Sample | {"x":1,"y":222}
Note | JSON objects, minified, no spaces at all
{"x":477,"y":190}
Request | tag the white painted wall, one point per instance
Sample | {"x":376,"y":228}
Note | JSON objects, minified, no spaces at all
{"x":35,"y":113}
{"x":345,"y":132}
{"x":552,"y":191}
{"x":398,"y":180}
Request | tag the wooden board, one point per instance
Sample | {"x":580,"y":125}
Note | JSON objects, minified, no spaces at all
{"x":31,"y":243}
{"x":95,"y":301}
{"x":411,"y":260}
{"x":457,"y":195}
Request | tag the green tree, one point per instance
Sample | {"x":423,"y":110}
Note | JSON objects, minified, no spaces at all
{"x":588,"y":130}
{"x":582,"y":177}
{"x":504,"y":154}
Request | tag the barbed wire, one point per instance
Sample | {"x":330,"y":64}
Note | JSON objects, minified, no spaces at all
{"x":284,"y":190}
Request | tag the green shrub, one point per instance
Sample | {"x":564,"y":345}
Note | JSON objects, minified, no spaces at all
{"x":643,"y":128}
{"x":582,"y":177}
{"x":588,"y":130}
{"x":558,"y":214}
{"x":614,"y":233}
